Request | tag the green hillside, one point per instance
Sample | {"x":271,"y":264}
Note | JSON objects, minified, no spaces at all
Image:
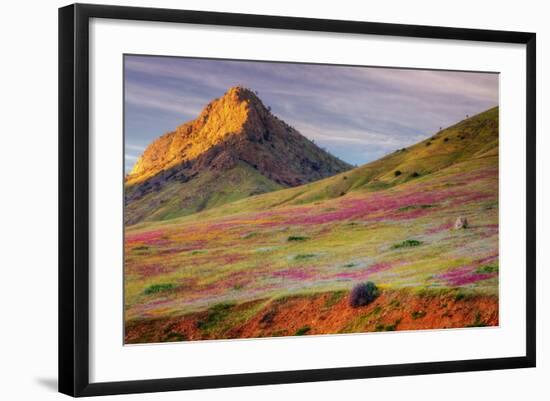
{"x":472,"y":138}
{"x":208,"y":190}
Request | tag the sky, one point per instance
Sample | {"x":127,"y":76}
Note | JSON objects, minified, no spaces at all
{"x":359,"y":114}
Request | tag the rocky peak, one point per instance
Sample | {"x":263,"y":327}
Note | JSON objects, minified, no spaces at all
{"x":237,"y":128}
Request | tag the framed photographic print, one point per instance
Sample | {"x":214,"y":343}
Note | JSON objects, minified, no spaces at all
{"x":250,"y":199}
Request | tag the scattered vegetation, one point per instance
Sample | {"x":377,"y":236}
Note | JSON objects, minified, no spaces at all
{"x":477,"y":321}
{"x":459,"y":296}
{"x":413,"y":207}
{"x":198,"y":251}
{"x":397,"y":173}
{"x":409,"y":243}
{"x":363,"y":294}
{"x":334,"y":298}
{"x":250,"y":235}
{"x":303,"y":256}
{"x":215,"y":315}
{"x":395,"y":303}
{"x":297,"y":238}
{"x":268,"y":318}
{"x":155,"y":288}
{"x":350,"y":265}
{"x":376,"y":311}
{"x":418,"y":314}
{"x":487,"y":269}
{"x":174,"y":336}
{"x":302,"y":331}
{"x":387,"y":327}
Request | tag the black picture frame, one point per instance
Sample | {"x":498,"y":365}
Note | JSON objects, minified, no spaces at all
{"x":74,"y":201}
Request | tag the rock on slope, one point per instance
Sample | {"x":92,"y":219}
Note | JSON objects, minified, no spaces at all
{"x":234,"y":149}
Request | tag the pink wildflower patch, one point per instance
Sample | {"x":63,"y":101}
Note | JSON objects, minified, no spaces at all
{"x":468,"y":274}
{"x":295,"y":274}
{"x":147,"y":237}
{"x":150,"y":270}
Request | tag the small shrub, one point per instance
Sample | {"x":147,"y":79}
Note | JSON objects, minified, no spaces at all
{"x":334,"y":298}
{"x":363,"y":294}
{"x":155,"y":288}
{"x":387,"y":327}
{"x":268,"y":318}
{"x":487,"y":269}
{"x":395,"y":303}
{"x":418,"y":314}
{"x":350,"y":265}
{"x":390,"y":327}
{"x":250,"y":235}
{"x":376,"y":311}
{"x":477,"y":321}
{"x":303,"y":256}
{"x":397,"y":173}
{"x":297,"y":238}
{"x":409,"y":243}
{"x":428,"y":143}
{"x":302,"y":330}
{"x":413,"y":207}
{"x":415,"y":175}
{"x":174,"y":336}
{"x":379,"y":327}
{"x":446,"y":140}
{"x":216,"y":314}
{"x":141,"y":248}
{"x":459,"y":296}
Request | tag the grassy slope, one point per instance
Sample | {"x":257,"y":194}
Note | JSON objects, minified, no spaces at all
{"x":313,"y":239}
{"x":480,"y":137}
{"x":210,"y":189}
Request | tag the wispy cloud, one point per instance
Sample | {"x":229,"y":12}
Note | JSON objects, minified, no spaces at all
{"x":357,"y":113}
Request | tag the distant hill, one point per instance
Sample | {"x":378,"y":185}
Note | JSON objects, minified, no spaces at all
{"x":234,"y":149}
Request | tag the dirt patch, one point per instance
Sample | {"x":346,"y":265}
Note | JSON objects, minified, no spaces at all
{"x":324,"y":313}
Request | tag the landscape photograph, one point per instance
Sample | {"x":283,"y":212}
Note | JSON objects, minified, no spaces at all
{"x":275,"y":199}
